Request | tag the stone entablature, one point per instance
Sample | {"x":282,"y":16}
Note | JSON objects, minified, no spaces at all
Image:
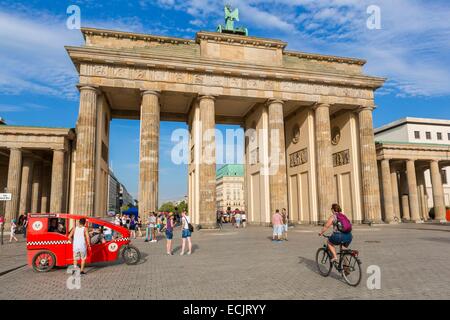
{"x":210,"y":83}
{"x":416,"y":151}
{"x":217,"y":68}
{"x":35,"y":137}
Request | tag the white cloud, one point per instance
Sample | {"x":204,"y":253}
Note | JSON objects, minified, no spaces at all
{"x":411,"y":49}
{"x":33,"y":56}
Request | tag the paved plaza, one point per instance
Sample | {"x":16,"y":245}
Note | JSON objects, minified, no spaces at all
{"x":244,"y":264}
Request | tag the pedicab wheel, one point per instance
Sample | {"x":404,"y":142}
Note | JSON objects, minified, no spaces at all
{"x":323,"y":262}
{"x":43,"y":261}
{"x":131,"y":255}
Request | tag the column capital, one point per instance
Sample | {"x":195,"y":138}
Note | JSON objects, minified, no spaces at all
{"x":82,"y":87}
{"x":318,"y":104}
{"x":274,"y":100}
{"x":61,"y":149}
{"x":365,"y":108}
{"x":206,"y":96}
{"x":152,"y":92}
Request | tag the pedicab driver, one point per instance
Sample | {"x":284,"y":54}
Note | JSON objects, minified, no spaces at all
{"x":81,"y":243}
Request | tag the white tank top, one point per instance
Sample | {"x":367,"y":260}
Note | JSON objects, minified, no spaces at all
{"x":78,"y":239}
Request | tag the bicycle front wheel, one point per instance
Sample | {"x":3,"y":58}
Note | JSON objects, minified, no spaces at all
{"x":323,"y":262}
{"x":351,"y":269}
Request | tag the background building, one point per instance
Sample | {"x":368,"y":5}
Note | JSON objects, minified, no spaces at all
{"x":117,"y":194}
{"x":230,"y":187}
{"x":419,"y":146}
{"x":126,"y":198}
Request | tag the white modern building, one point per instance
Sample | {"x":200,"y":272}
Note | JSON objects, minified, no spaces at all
{"x":423,"y":132}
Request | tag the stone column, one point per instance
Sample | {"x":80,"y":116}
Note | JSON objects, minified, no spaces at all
{"x":421,"y":189}
{"x":438,"y":191}
{"x":149,"y":152}
{"x":369,"y":168}
{"x":36,"y":188}
{"x":405,"y":208}
{"x":57,"y":187}
{"x":412,"y":190}
{"x":395,"y":194}
{"x":324,"y":160}
{"x":25,"y":187}
{"x":387,"y":190}
{"x":84,"y":188}
{"x":45,"y":193}
{"x":277,"y":155}
{"x":207,"y":174}
{"x":13,"y":185}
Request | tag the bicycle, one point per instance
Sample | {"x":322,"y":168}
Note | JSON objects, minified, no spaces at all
{"x":348,"y":265}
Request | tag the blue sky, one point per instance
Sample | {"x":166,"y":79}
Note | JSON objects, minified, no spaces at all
{"x":37,"y":79}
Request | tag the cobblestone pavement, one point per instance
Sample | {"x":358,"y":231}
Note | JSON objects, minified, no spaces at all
{"x":245,"y":264}
{"x":12,"y":255}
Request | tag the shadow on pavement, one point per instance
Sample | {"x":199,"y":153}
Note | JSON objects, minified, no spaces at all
{"x":311,"y":265}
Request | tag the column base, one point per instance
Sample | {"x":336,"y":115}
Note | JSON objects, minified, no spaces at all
{"x":440,"y":221}
{"x":207,"y":226}
{"x":393,"y":222}
{"x":372,"y":222}
{"x":419,"y":221}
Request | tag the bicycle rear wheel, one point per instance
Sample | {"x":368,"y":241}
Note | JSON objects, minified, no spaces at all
{"x":351,"y":269}
{"x":323,"y":262}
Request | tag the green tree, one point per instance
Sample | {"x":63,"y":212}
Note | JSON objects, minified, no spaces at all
{"x":182,"y":206}
{"x":167,"y":207}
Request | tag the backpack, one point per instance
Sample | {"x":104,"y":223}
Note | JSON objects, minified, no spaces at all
{"x":343,"y":223}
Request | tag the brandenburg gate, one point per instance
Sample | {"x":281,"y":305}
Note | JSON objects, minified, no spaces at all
{"x":320,"y":106}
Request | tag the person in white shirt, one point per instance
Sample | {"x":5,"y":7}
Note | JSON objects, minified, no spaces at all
{"x":244,"y":219}
{"x":185,"y":233}
{"x":81,"y":243}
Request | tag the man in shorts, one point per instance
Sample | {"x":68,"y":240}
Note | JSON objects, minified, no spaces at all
{"x":79,"y":236}
{"x":277,"y":224}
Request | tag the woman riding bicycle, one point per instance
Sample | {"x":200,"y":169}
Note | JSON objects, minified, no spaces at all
{"x":338,"y":237}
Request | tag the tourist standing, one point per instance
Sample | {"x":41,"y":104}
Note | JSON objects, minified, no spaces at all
{"x":285,"y":217}
{"x":133,"y":225}
{"x":219,"y":219}
{"x":244,"y":219}
{"x":139,"y":226}
{"x":169,"y":234}
{"x":13,"y":231}
{"x":25,"y":225}
{"x":2,"y":226}
{"x":185,"y":233}
{"x":277,"y":224}
{"x":237,"y":217}
{"x":151,"y":228}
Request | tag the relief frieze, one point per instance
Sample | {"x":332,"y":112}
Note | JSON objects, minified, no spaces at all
{"x":298,"y":158}
{"x":341,"y":158}
{"x":184,"y":77}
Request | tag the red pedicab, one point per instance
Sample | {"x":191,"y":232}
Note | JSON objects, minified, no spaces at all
{"x":48,"y":242}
